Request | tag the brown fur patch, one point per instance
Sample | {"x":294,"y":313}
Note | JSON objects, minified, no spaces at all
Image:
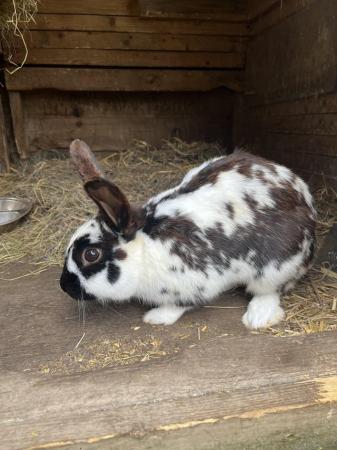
{"x":120,"y":254}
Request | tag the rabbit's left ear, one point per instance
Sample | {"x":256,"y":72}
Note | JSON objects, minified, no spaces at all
{"x":85,"y":161}
{"x":112,"y":203}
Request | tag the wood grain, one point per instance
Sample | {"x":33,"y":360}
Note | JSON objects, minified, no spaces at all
{"x":278,"y":65}
{"x":295,"y":429}
{"x":85,"y":79}
{"x":104,"y":7}
{"x":4,"y":146}
{"x":136,"y":25}
{"x":223,"y":378}
{"x":229,"y":10}
{"x":18,"y":119}
{"x":201,"y":9}
{"x":290,"y":107}
{"x":121,"y":58}
{"x":112,"y":120}
{"x":134,"y":41}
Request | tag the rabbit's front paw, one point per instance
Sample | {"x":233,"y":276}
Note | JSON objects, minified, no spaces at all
{"x":164,"y":315}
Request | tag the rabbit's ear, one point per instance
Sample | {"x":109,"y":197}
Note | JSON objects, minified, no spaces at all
{"x":85,"y":161}
{"x":111,"y":201}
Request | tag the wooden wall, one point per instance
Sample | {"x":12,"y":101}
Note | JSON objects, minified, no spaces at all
{"x":289,"y":112}
{"x":119,"y":47}
{"x":111,"y":120}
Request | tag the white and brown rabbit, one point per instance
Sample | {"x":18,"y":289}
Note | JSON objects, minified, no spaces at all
{"x":234,"y":220}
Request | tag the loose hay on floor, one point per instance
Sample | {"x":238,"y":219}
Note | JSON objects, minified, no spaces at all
{"x":60,"y":206}
{"x":104,"y":353}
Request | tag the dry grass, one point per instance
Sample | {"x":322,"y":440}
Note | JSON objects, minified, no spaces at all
{"x":14,"y":18}
{"x":60,"y":206}
{"x":104,"y":353}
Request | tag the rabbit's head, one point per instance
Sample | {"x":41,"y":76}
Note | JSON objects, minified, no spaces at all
{"x":96,"y":254}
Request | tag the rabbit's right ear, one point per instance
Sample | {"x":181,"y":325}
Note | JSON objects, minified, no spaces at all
{"x":85,"y":161}
{"x":111,"y":202}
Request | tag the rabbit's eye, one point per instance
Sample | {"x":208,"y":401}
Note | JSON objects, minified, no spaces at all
{"x":91,"y":255}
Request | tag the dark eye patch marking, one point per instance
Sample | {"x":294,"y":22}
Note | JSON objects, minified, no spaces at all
{"x":105,"y":245}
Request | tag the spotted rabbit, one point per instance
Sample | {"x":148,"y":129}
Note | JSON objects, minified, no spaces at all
{"x":234,"y":220}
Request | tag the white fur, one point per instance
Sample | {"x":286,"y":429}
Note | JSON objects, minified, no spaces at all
{"x":91,"y":228}
{"x":231,"y":187}
{"x":164,"y":315}
{"x":263,"y":311}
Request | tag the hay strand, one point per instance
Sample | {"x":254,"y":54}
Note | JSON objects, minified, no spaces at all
{"x":14,"y":18}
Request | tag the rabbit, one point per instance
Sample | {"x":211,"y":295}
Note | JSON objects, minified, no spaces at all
{"x":236,"y":220}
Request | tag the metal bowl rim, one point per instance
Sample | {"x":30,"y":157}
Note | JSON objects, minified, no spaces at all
{"x":27,"y":206}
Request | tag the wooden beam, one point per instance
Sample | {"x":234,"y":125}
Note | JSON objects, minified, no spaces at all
{"x":105,"y":7}
{"x":136,"y":24}
{"x":230,"y":10}
{"x":126,"y":58}
{"x":18,"y":118}
{"x":85,"y":79}
{"x":133,"y":41}
{"x":4,"y":146}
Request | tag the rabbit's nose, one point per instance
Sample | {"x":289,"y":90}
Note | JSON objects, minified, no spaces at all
{"x":70,"y":283}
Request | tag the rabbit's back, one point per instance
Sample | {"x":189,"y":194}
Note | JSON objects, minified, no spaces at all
{"x":236,"y":214}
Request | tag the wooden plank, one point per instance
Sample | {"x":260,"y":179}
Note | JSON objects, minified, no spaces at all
{"x":201,"y":9}
{"x":314,"y":164}
{"x":295,"y":429}
{"x":310,"y":155}
{"x":278,"y":66}
{"x":222,"y":378}
{"x":4,"y":146}
{"x":278,"y":13}
{"x":136,"y":25}
{"x":126,"y":58}
{"x":104,"y":7}
{"x":316,"y":104}
{"x":111,"y":121}
{"x":85,"y":79}
{"x":310,"y":124}
{"x":133,"y":41}
{"x":18,"y":119}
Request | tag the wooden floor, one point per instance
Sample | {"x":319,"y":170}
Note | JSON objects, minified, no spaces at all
{"x":214,"y":386}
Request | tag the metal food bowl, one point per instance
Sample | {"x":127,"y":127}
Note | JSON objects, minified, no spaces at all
{"x":11,"y":211}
